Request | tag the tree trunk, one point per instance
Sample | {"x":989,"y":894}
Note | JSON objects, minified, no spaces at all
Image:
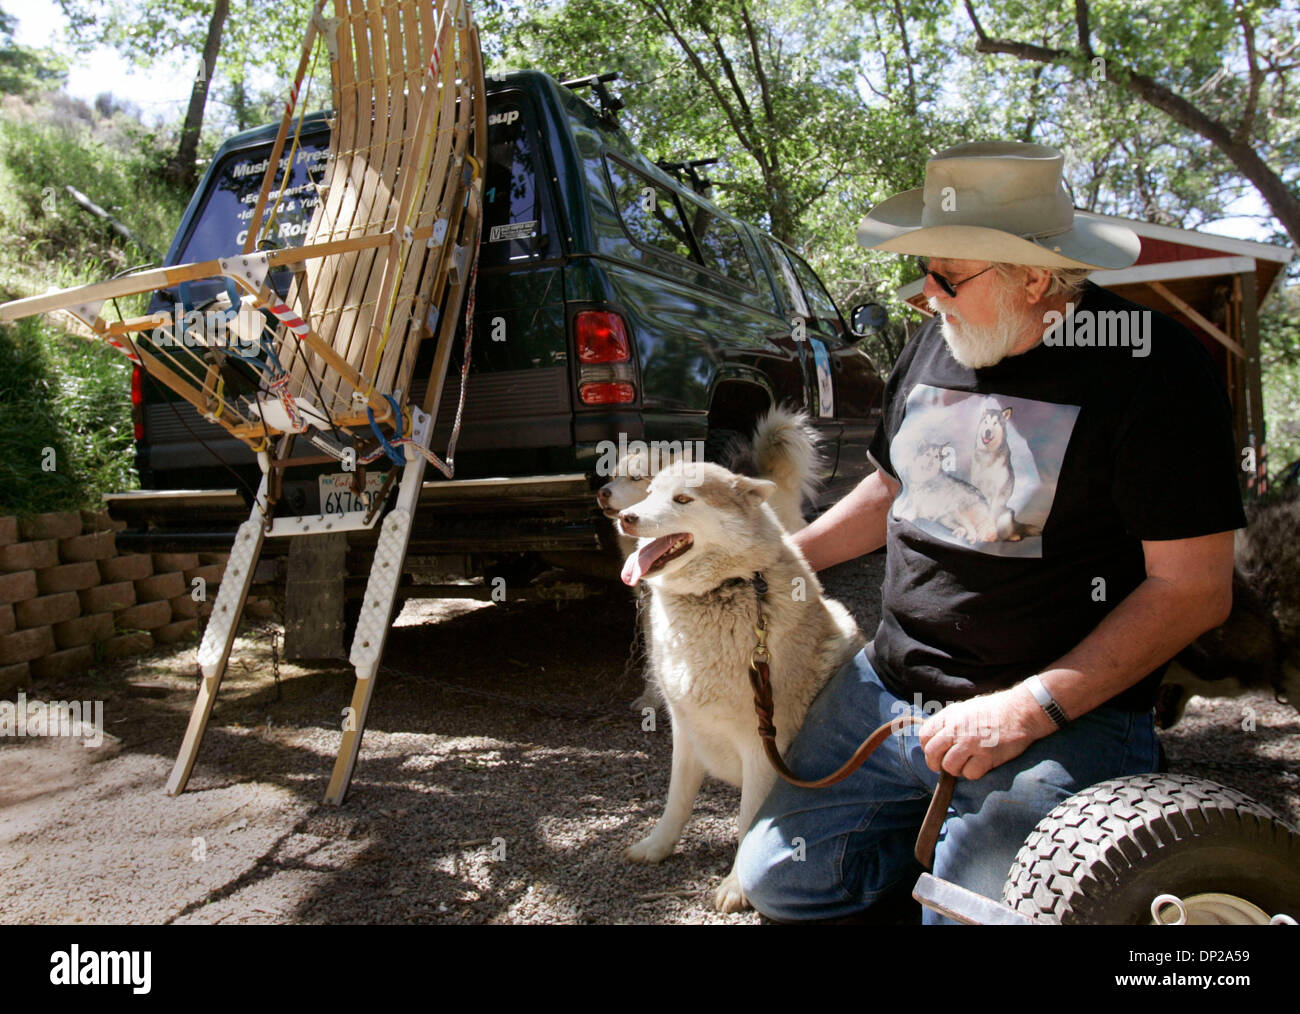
{"x":182,"y":168}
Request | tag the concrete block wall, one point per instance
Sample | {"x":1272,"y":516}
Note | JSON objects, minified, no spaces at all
{"x":69,"y":599}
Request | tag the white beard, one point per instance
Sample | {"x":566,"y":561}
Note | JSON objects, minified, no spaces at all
{"x":976,"y":346}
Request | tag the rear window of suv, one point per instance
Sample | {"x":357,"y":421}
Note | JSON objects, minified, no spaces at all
{"x":516,"y":224}
{"x":221,"y":224}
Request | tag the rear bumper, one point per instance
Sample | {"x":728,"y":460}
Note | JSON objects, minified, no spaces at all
{"x":539,"y":513}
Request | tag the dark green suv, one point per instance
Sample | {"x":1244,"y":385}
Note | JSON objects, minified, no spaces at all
{"x":613,"y":300}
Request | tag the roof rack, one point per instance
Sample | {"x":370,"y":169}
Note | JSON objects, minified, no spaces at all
{"x":686,"y":173}
{"x":609,"y":104}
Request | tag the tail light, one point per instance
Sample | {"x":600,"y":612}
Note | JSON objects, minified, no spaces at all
{"x":605,"y":374}
{"x":137,"y":402}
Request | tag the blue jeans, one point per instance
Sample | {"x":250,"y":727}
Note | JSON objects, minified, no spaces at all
{"x":824,"y":853}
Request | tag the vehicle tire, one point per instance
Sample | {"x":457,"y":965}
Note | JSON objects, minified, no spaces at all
{"x":1105,"y":854}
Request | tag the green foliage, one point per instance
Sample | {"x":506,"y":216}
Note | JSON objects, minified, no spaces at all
{"x":64,"y":145}
{"x":24,"y":70}
{"x":1279,"y":344}
{"x":58,"y":391}
{"x":260,"y":47}
{"x":1231,"y":61}
{"x":63,"y":402}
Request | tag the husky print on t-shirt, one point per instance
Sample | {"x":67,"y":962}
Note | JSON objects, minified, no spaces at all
{"x":980,"y":471}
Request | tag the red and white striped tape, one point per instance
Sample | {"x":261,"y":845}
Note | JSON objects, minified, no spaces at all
{"x":289,"y":319}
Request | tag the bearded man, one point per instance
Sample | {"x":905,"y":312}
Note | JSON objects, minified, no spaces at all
{"x":1058,"y":522}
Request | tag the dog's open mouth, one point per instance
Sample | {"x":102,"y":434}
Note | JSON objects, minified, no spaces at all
{"x":654,"y":555}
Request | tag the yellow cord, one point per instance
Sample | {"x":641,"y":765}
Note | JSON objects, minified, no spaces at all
{"x":221,"y":397}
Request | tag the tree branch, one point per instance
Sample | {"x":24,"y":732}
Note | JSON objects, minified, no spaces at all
{"x":907,"y":59}
{"x":763,"y":89}
{"x":737,"y":125}
{"x":1083,"y":29}
{"x":1246,"y":125}
{"x":1277,"y":195}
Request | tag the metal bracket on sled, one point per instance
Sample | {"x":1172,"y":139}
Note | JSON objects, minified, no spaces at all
{"x":329,"y":30}
{"x":250,"y":269}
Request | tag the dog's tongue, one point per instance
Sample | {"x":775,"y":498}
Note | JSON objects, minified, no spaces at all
{"x":638,"y":563}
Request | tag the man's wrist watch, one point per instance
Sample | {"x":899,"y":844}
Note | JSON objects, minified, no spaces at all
{"x":1047,"y":702}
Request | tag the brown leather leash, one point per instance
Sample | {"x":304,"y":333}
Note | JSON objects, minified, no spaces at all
{"x":760,"y":679}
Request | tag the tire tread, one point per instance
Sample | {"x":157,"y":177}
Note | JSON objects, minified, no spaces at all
{"x":1084,"y":848}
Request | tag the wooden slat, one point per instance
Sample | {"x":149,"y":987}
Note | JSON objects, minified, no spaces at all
{"x":422,"y":164}
{"x":161,"y":278}
{"x":1208,"y":326}
{"x":328,"y":285}
{"x":353,"y":316}
{"x":448,"y":200}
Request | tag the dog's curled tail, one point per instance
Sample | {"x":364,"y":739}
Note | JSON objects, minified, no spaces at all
{"x":785,"y":451}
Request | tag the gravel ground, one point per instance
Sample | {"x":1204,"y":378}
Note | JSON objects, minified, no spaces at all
{"x":501,"y":775}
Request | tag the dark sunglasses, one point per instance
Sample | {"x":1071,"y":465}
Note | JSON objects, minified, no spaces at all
{"x":949,"y":288}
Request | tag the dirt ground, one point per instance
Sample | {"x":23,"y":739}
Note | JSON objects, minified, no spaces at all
{"x":501,"y":775}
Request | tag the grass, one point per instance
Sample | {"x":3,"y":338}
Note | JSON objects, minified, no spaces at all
{"x":65,"y":414}
{"x":65,"y":420}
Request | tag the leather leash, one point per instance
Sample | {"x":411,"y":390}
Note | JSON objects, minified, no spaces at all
{"x":760,"y":679}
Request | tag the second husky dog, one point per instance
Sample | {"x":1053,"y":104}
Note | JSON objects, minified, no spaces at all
{"x":704,"y":533}
{"x":783,"y":449}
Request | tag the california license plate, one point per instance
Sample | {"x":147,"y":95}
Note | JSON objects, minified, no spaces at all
{"x":336,"y":496}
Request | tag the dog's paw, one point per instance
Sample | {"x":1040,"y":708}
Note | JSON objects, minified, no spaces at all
{"x":648,"y":850}
{"x":729,"y":897}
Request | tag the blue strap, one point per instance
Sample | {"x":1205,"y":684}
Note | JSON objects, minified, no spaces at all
{"x":396,"y":456}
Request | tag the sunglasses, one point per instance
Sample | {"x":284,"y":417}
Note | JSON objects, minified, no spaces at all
{"x":949,"y":287}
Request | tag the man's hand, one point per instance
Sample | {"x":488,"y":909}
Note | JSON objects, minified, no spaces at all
{"x":972,"y":737}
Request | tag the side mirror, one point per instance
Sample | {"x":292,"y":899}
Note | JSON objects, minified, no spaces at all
{"x":866,"y":318}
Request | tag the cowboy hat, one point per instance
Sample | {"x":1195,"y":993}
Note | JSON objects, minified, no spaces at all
{"x":996,"y":201}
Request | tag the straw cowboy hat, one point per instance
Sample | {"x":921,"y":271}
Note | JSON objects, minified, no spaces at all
{"x":996,"y":201}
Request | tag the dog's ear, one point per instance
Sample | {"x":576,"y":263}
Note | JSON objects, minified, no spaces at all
{"x":1006,"y":413}
{"x":757,"y":490}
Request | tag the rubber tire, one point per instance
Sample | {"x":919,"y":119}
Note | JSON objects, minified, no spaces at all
{"x":1104,"y":854}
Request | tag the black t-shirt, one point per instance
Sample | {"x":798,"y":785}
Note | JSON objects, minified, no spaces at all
{"x":1028,"y":488}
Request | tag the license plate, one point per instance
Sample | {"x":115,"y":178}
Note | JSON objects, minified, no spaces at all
{"x":336,"y":496}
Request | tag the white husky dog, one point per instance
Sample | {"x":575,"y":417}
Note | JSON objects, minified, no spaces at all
{"x":783,"y":448}
{"x":704,"y":533}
